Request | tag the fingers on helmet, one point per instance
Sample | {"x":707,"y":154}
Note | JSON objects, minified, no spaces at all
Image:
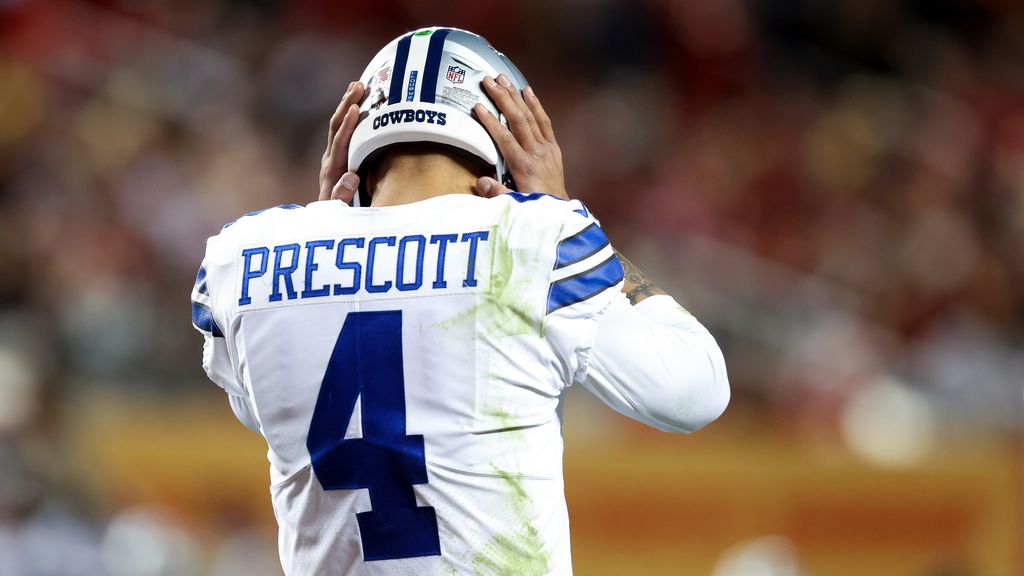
{"x":506,"y":141}
{"x":543,"y":120}
{"x":521,"y":121}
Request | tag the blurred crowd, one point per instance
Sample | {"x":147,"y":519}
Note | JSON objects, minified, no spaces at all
{"x":835,"y":188}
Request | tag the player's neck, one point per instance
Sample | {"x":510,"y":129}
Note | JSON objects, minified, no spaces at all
{"x":410,"y":177}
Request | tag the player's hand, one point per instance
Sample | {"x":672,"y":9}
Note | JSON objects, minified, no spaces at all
{"x":336,"y":182}
{"x":528,"y":144}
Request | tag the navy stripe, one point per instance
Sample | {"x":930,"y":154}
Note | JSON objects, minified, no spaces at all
{"x":522,"y":197}
{"x":410,"y":92}
{"x":202,"y":318}
{"x":398,"y":74}
{"x":201,"y":281}
{"x":585,"y":284}
{"x":432,"y":68}
{"x":580,"y":246}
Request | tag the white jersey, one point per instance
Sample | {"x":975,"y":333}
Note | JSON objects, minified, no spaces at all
{"x":406,"y":366}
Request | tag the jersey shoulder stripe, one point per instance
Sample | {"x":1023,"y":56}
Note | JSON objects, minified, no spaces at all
{"x":523,"y":197}
{"x":201,"y":286}
{"x":574,"y":206}
{"x":580,"y":246}
{"x":582,"y":286}
{"x":582,"y":263}
{"x":202,"y":318}
{"x":202,"y":314}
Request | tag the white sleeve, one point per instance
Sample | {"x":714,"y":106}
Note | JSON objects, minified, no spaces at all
{"x":216,"y":356}
{"x":242,"y":408}
{"x":655,"y":363}
{"x":584,"y":277}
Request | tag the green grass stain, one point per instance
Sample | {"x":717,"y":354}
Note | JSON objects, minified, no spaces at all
{"x":506,"y":308}
{"x":520,"y":553}
{"x":504,"y":419}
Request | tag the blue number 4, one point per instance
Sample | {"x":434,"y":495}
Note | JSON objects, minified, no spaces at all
{"x":367,"y":363}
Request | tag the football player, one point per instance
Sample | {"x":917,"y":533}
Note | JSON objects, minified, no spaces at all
{"x":405,"y":357}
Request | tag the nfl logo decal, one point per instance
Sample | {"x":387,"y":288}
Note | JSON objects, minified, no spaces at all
{"x":456,"y":74}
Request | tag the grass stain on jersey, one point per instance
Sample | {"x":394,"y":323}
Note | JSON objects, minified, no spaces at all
{"x":510,"y":305}
{"x":509,"y":308}
{"x":518,"y":554}
{"x":505,"y":420}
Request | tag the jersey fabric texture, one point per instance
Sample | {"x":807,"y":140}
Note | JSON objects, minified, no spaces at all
{"x":406,"y":367}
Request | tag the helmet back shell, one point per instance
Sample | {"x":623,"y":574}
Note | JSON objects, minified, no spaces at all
{"x":422,"y":87}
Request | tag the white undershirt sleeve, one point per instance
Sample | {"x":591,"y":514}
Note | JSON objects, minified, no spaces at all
{"x":655,"y":363}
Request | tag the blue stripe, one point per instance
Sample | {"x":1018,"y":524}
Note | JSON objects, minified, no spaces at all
{"x":585,"y":284}
{"x":581,"y":245}
{"x":432,"y":68}
{"x":522,"y":197}
{"x":410,"y":92}
{"x":201,"y":281}
{"x":398,"y":74}
{"x":202,"y":318}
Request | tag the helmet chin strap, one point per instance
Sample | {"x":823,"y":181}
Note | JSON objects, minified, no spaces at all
{"x":509,"y":183}
{"x":504,"y":176}
{"x":362,"y":198}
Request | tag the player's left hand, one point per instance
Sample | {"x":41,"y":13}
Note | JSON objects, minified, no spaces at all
{"x":528,"y":143}
{"x":336,"y":182}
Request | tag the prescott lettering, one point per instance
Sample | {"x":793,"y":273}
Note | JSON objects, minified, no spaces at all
{"x":337,"y":267}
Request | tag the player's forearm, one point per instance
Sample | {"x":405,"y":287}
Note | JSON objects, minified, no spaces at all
{"x":636,"y":285}
{"x":657,"y":364}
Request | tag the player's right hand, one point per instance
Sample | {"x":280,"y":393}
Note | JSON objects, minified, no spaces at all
{"x":336,"y":182}
{"x":528,"y":143}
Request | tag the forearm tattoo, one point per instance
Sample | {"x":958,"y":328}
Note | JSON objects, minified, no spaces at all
{"x":636,"y":285}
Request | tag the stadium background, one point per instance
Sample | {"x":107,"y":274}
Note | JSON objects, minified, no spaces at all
{"x":835,"y":188}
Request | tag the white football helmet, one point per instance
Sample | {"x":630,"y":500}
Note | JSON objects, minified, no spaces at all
{"x":422,"y":87}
